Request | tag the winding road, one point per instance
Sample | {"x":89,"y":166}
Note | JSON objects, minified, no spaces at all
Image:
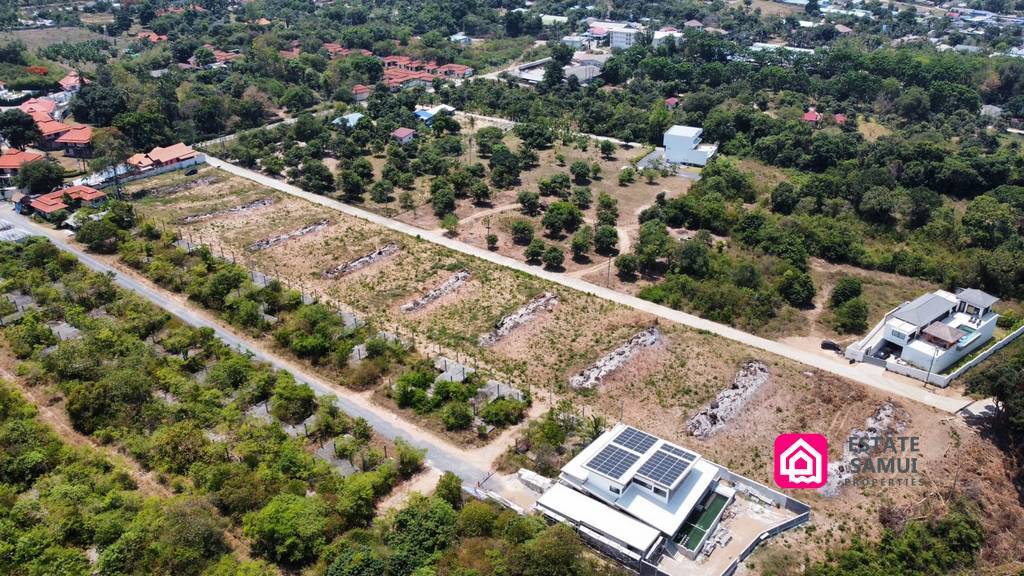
{"x":872,"y":376}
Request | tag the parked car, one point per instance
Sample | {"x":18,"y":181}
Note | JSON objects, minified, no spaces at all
{"x":830,"y":345}
{"x":881,"y":354}
{"x":192,"y":172}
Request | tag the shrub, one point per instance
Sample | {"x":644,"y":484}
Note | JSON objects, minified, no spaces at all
{"x":627,"y":266}
{"x":457,"y":415}
{"x":503,"y":412}
{"x":522,"y":231}
{"x":846,"y":289}
{"x":851,"y":317}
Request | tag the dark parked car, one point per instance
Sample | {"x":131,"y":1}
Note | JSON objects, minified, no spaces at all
{"x":192,"y":172}
{"x":830,"y":345}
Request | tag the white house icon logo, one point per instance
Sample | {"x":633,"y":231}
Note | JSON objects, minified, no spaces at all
{"x":800,"y":460}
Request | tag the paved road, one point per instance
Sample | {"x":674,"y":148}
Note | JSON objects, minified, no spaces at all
{"x":439,"y":455}
{"x":855,"y":372}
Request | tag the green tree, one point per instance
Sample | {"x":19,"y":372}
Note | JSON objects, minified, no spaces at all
{"x":535,"y":250}
{"x":289,"y":530}
{"x":581,"y":242}
{"x":987,"y":222}
{"x":292,"y":402}
{"x":18,"y":128}
{"x":522,"y":231}
{"x":317,"y":178}
{"x":797,"y":288}
{"x":553,"y":257}
{"x":561,"y":217}
{"x":40,"y":177}
{"x":449,"y":489}
{"x":627,"y":266}
{"x":606,"y":239}
{"x":352,"y":186}
{"x":529,"y":202}
{"x":607,"y":149}
{"x":846,"y":288}
{"x":456,"y":415}
{"x":851,"y":317}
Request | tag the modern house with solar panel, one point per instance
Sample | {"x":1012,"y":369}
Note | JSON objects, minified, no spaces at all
{"x":930,"y":334}
{"x":656,"y":507}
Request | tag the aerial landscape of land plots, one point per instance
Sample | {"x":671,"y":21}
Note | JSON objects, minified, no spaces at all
{"x":659,"y":387}
{"x":571,"y":334}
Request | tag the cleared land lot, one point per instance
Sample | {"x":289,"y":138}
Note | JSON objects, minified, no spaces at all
{"x":659,"y":390}
{"x":679,"y":375}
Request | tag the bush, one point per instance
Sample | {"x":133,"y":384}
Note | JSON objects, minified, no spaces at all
{"x":456,"y":415}
{"x":522,"y":231}
{"x":851,"y":317}
{"x":503,"y":412}
{"x":553,"y":257}
{"x":627,"y":266}
{"x":846,"y":289}
{"x":797,"y":288}
{"x":290,"y":529}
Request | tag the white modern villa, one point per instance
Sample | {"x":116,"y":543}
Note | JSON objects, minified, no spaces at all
{"x":660,"y":509}
{"x":930,"y":333}
{"x":683,"y":146}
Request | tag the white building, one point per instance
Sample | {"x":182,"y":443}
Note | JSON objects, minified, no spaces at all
{"x":933,"y":331}
{"x":683,"y":146}
{"x":638,"y":491}
{"x":574,"y":42}
{"x":649,"y":503}
{"x":620,"y":34}
{"x":661,"y":36}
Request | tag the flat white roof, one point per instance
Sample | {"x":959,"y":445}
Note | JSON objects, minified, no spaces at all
{"x":581,"y":509}
{"x":669,"y":517}
{"x":684,"y":131}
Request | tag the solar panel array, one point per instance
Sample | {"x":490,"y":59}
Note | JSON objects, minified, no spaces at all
{"x":635,"y":440}
{"x":684,"y":454}
{"x":663,"y":468}
{"x":612,"y":461}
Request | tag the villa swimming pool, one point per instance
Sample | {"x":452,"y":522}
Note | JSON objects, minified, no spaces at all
{"x":966,"y":339}
{"x":695,"y":529}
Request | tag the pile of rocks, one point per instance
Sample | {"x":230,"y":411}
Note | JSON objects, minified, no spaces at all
{"x":886,"y":421}
{"x":361,"y":262}
{"x":506,"y":325}
{"x":615,"y":359}
{"x":193,"y":218}
{"x":728,"y":403}
{"x":281,"y":238}
{"x":447,"y":287}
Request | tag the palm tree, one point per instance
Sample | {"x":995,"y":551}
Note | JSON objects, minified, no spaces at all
{"x":593,"y":427}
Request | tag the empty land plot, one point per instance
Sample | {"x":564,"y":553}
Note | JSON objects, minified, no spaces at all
{"x":543,"y":353}
{"x":795,"y":399}
{"x":37,"y":38}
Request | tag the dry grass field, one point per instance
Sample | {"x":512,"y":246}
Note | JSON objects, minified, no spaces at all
{"x":37,"y":38}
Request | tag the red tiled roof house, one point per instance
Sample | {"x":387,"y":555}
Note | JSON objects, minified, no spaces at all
{"x":50,"y":204}
{"x":12,"y":160}
{"x":77,"y":142}
{"x":161,"y":157}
